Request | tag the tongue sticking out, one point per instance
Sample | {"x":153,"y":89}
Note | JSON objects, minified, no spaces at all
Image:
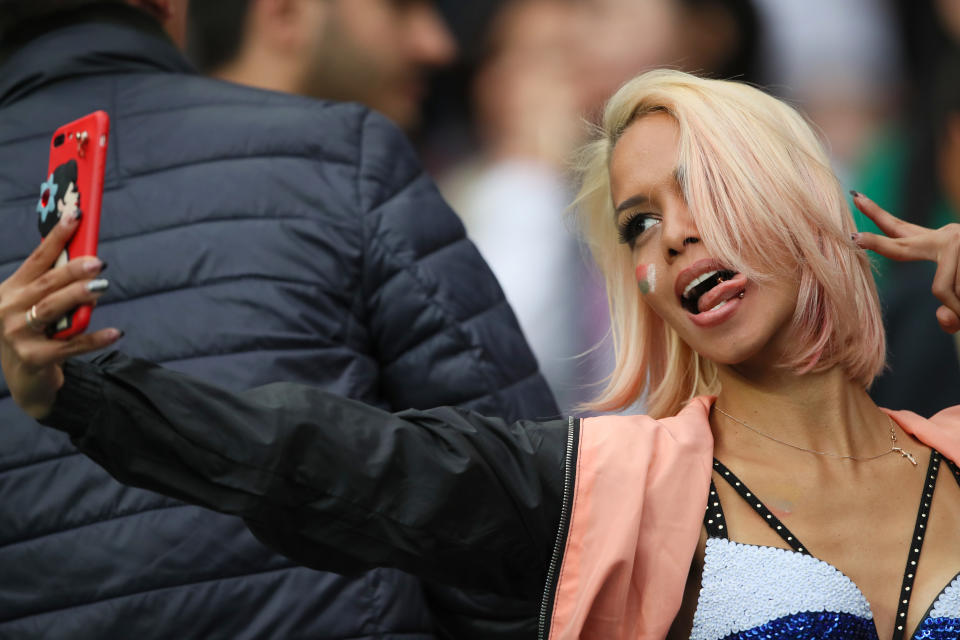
{"x":712,"y":292}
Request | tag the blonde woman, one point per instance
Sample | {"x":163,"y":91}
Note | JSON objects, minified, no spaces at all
{"x":764,"y":496}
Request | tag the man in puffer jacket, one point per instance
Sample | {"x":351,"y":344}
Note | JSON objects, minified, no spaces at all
{"x":253,"y":237}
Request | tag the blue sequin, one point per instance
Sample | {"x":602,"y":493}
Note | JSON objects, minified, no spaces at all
{"x":816,"y":625}
{"x":938,"y":629}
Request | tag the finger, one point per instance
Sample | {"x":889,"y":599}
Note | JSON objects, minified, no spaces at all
{"x":80,"y":269}
{"x":900,"y":249}
{"x":88,"y":342}
{"x":956,"y":282}
{"x":945,"y":279}
{"x":891,"y":225}
{"x":949,"y":321}
{"x":37,"y":353}
{"x":62,"y":301}
{"x":47,"y":252}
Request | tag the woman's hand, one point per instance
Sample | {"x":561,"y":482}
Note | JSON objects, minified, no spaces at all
{"x":31,"y":299}
{"x":905,"y":241}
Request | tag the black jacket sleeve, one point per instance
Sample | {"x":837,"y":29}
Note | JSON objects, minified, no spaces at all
{"x":330,"y":482}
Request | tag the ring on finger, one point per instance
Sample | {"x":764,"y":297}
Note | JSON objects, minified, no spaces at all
{"x":33,"y":322}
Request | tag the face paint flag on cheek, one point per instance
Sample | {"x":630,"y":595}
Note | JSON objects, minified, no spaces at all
{"x":646,"y":278}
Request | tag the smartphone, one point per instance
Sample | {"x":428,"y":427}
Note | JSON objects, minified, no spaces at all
{"x":78,"y":153}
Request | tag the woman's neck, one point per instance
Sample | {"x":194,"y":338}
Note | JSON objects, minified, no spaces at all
{"x":824,"y":411}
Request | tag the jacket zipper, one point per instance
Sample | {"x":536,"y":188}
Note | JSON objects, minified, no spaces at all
{"x":561,"y":538}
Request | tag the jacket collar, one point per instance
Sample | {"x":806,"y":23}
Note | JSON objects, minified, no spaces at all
{"x":111,"y":39}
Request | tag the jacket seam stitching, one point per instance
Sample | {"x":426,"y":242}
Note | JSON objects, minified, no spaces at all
{"x":462,"y":321}
{"x":106,"y":240}
{"x":506,"y":387}
{"x":91,"y":523}
{"x":265,"y":101}
{"x":35,"y":461}
{"x":199,"y":284}
{"x":419,"y":259}
{"x":253,"y":156}
{"x":181,"y":585}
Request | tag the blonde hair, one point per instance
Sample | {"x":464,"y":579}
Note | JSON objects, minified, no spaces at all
{"x":763,"y":196}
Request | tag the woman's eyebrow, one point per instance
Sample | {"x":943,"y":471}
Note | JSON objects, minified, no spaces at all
{"x":632,"y":201}
{"x":639,"y":199}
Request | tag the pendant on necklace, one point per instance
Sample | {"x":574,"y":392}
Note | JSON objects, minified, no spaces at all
{"x":905,"y":454}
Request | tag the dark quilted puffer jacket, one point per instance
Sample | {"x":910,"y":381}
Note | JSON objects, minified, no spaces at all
{"x":252,"y":237}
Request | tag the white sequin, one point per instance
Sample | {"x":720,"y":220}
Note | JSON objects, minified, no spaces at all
{"x":948,"y":604}
{"x":745,"y":586}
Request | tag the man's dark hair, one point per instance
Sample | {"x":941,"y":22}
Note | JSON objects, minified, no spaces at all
{"x":62,"y":177}
{"x":21,"y":19}
{"x":215,"y":31}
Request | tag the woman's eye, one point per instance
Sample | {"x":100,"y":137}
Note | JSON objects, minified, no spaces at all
{"x":634,"y":225}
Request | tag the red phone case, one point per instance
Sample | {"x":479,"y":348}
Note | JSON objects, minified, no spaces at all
{"x":78,"y":153}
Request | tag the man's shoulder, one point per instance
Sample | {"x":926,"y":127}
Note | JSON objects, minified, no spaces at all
{"x":214,"y":106}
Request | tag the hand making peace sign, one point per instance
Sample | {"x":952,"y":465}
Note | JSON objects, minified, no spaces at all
{"x":905,"y":241}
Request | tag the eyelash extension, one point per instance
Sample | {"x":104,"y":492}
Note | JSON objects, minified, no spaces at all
{"x":632,"y":227}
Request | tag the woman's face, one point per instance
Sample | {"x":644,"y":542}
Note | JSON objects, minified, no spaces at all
{"x":718,"y":312}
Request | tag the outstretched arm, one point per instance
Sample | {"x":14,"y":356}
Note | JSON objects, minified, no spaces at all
{"x":905,"y":241}
{"x":330,"y":482}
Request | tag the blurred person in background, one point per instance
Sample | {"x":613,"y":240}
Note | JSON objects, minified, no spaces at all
{"x":914,"y":167}
{"x":529,"y":97}
{"x":838,"y":61}
{"x":266,"y":237}
{"x":376,"y":52}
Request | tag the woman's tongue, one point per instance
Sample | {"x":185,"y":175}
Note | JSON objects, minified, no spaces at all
{"x":720,"y":293}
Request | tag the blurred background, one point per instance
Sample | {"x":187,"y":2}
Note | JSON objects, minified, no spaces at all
{"x":498,"y":94}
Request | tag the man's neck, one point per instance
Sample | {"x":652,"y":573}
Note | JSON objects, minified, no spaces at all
{"x":260,"y":71}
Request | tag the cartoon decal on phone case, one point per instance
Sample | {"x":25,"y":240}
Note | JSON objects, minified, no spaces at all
{"x":59,"y":196}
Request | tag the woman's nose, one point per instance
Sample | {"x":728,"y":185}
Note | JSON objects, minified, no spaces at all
{"x":674,"y":252}
{"x":679,"y":230}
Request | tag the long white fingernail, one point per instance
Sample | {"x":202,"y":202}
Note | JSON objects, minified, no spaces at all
{"x":98,"y":285}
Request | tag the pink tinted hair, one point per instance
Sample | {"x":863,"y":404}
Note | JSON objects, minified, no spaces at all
{"x":765,"y":200}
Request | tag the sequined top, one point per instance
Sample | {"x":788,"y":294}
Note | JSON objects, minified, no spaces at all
{"x":750,"y":591}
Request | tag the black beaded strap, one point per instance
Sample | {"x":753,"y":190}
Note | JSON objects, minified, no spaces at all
{"x":954,"y":468}
{"x":916,"y":544}
{"x":758,"y":506}
{"x":713,"y":518}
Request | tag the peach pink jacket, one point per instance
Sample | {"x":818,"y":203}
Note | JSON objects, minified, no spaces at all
{"x":636,"y":510}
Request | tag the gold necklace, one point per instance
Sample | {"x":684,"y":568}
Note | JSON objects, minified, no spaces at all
{"x":893,"y":443}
